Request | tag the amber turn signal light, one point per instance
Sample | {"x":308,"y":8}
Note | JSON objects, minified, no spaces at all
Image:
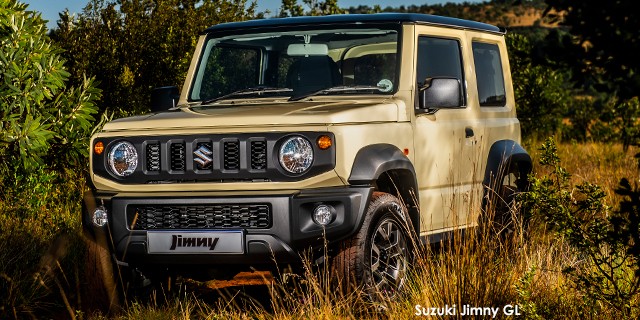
{"x":98,"y":148}
{"x":324,"y":142}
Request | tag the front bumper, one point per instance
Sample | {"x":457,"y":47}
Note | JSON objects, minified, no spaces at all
{"x":290,"y":232}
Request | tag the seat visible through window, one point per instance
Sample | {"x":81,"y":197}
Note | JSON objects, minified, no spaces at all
{"x":313,"y":73}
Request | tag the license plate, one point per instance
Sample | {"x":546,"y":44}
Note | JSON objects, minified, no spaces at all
{"x":185,"y":242}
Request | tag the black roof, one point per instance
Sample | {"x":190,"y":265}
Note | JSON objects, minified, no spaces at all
{"x":357,"y":18}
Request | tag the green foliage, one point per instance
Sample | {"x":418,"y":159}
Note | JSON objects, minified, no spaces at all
{"x":44,"y":129}
{"x":291,"y":8}
{"x":40,"y":237}
{"x":40,"y":118}
{"x":626,"y":121}
{"x":605,"y":38}
{"x":133,"y":46}
{"x":605,"y":240}
{"x":525,"y":294}
{"x":541,"y":92}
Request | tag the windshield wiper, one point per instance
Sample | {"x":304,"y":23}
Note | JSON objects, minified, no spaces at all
{"x":247,"y":91}
{"x":336,"y":89}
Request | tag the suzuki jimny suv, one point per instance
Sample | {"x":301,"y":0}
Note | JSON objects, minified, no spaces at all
{"x":347,"y":137}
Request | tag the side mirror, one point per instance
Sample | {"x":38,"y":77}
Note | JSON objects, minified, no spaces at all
{"x":164,"y":98}
{"x":440,"y":93}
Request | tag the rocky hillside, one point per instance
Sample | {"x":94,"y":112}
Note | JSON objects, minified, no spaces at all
{"x":505,"y":13}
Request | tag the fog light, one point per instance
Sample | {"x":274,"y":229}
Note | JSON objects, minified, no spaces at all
{"x":100,"y":217}
{"x":323,"y":214}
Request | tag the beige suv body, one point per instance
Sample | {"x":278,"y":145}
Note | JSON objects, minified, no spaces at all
{"x":361,"y":130}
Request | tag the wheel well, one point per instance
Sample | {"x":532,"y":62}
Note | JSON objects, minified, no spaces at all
{"x":402,"y":184}
{"x":521,"y":167}
{"x":504,"y":157}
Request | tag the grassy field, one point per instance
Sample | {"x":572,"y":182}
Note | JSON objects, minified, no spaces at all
{"x":43,"y":262}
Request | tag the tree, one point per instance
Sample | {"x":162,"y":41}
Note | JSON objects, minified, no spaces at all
{"x":133,"y":46}
{"x":316,"y":8}
{"x":541,"y":92}
{"x":291,"y":8}
{"x":42,"y":119}
{"x":605,"y":33}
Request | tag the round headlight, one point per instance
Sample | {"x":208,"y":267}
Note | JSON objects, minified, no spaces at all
{"x":296,"y":155}
{"x":123,"y":159}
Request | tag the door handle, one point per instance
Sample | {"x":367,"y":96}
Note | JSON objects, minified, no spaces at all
{"x":468,"y":132}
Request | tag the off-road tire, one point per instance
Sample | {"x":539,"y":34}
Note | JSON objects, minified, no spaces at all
{"x":354,"y":266}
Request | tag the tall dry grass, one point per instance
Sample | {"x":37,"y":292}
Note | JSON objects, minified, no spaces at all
{"x":604,"y":164}
{"x":475,"y":268}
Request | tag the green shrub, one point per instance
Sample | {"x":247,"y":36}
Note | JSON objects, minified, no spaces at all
{"x":41,"y":119}
{"x":604,"y":240}
{"x":44,"y":130}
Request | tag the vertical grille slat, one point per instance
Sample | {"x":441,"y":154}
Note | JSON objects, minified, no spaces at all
{"x":231,"y":155}
{"x":153,"y":157}
{"x":259,"y":155}
{"x":178,"y":157}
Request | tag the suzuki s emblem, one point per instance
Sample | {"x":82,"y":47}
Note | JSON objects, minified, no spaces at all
{"x":203,"y":156}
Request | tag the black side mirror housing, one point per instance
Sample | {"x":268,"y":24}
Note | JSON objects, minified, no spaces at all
{"x":164,"y":98}
{"x":440,"y":93}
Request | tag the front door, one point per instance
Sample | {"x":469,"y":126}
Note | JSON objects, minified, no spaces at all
{"x":445,"y":141}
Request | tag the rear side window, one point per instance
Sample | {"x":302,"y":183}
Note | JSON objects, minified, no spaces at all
{"x":489,"y":75}
{"x":439,"y":57}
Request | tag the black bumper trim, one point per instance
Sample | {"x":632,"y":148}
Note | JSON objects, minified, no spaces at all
{"x":291,"y":231}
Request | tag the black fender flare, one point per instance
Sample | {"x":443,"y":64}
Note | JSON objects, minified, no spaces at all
{"x":501,"y":155}
{"x":370,"y":164}
{"x":373,"y":160}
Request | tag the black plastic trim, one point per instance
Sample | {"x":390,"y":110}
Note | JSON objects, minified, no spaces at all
{"x":350,"y":205}
{"x":324,"y":160}
{"x":291,"y":232}
{"x":371,"y":161}
{"x":501,"y":155}
{"x":357,"y":19}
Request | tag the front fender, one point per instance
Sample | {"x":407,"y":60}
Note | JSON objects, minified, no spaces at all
{"x":373,"y":160}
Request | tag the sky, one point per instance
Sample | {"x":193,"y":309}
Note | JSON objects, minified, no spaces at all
{"x":51,"y":8}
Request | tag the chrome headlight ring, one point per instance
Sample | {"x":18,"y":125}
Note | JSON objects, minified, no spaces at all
{"x":122,"y":159}
{"x":296,"y":155}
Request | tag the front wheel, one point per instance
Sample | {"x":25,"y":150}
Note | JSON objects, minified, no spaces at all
{"x":377,"y":258}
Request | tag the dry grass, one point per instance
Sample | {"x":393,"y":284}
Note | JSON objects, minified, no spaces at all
{"x":604,"y":164}
{"x":473,"y":268}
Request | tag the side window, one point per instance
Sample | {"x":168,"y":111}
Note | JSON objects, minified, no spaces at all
{"x":489,"y":75}
{"x":439,"y":57}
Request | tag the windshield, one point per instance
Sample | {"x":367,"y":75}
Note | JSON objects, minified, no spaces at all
{"x":298,"y":63}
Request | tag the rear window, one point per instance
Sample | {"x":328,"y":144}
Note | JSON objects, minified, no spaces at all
{"x":489,"y":75}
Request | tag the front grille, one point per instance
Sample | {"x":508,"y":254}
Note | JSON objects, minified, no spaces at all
{"x":178,"y":157}
{"x":201,"y":216}
{"x":232,"y":155}
{"x":212,"y":158}
{"x":258,"y":155}
{"x":153,"y":157}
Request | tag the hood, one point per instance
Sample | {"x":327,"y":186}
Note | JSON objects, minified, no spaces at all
{"x":255,"y":114}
